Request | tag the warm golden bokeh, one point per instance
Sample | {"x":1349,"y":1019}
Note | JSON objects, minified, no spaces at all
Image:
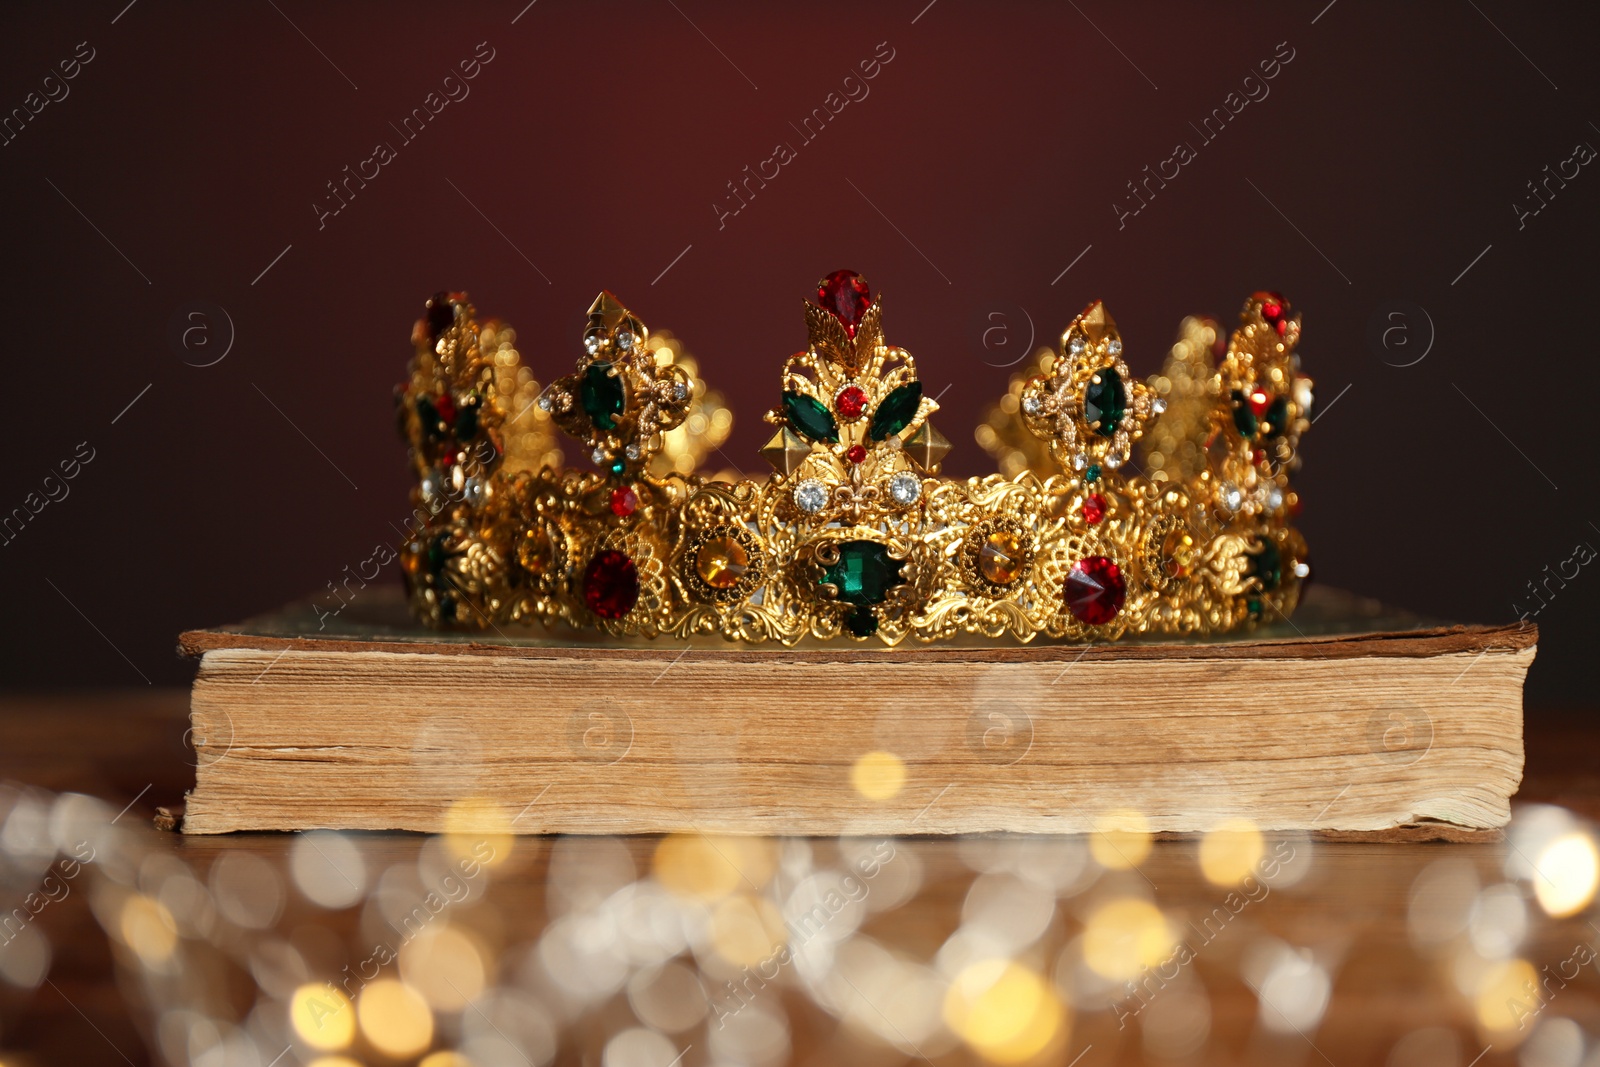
{"x":1005,"y":1012}
{"x":394,"y":1018}
{"x":322,"y":1017}
{"x":1121,"y":839}
{"x":709,"y":868}
{"x":148,"y":929}
{"x":1123,"y":937}
{"x":1230,"y":852}
{"x":1566,"y":874}
{"x":446,"y":965}
{"x":878,"y":775}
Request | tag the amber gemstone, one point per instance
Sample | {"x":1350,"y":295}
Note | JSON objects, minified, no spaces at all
{"x":847,"y":295}
{"x":533,"y":552}
{"x":1095,"y":590}
{"x":610,"y":584}
{"x":1002,"y":557}
{"x":721,"y":562}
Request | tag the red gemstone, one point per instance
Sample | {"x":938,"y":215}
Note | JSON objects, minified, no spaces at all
{"x":1259,"y":402}
{"x":845,"y":293}
{"x":856,"y":454}
{"x":1275,"y":311}
{"x":446,"y":407}
{"x":850,"y":402}
{"x":610,"y":584}
{"x":1094,"y":509}
{"x":1095,"y":590}
{"x":624,"y":501}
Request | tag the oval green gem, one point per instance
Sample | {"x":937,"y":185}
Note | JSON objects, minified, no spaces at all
{"x":601,"y":395}
{"x":1266,"y":566}
{"x":809,"y":418}
{"x":1104,"y":402}
{"x":864,"y":573}
{"x":896,"y":411}
{"x":1278,"y":417}
{"x":1244,"y":419}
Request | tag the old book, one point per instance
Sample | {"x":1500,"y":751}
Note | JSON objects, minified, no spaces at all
{"x":1347,"y":718}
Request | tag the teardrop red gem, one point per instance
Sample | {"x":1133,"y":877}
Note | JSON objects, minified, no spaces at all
{"x":846,"y":294}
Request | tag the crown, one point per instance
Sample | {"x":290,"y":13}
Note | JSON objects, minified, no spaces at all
{"x":855,"y":533}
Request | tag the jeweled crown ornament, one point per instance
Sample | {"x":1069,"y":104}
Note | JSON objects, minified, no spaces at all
{"x":855,"y":534}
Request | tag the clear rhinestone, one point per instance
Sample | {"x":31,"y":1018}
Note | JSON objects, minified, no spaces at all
{"x":1080,"y":461}
{"x":544,"y":402}
{"x":599,"y":457}
{"x":1274,"y":498}
{"x":680,"y":390}
{"x":810,"y":496}
{"x":1113,"y":461}
{"x":473,"y":491}
{"x":1076,"y":344}
{"x":592,"y":343}
{"x":1114,"y":346}
{"x":632,"y":451}
{"x":1158,"y":406}
{"x":905,"y":487}
{"x":1302,"y":570}
{"x":625,"y":340}
{"x":1032,"y":405}
{"x":1232,"y":498}
{"x":894,"y":443}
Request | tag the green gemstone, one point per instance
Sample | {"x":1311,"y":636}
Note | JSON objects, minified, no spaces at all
{"x":1278,"y":417}
{"x":864,"y":574}
{"x":601,"y":395}
{"x":467,"y":422}
{"x":1244,"y":420}
{"x":617,"y":467}
{"x":1093,"y":473}
{"x":809,"y":418}
{"x":896,"y":411}
{"x":438,"y":555}
{"x":428,"y":417}
{"x":861,"y":622}
{"x":1253,"y":606}
{"x":1104,"y":402}
{"x":1266,"y":566}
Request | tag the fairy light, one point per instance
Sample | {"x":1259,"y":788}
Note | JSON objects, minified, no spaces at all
{"x":708,"y":941}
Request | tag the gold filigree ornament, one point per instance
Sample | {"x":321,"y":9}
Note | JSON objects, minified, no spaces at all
{"x":855,"y":534}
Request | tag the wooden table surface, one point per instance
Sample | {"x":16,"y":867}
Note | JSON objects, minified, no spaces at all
{"x":1350,"y":909}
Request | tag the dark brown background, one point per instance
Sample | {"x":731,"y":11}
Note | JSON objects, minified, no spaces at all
{"x":199,"y":137}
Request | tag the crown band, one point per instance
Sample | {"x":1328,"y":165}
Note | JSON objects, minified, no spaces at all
{"x":855,"y":533}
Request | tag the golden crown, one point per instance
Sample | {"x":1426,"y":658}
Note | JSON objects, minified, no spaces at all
{"x":855,"y":533}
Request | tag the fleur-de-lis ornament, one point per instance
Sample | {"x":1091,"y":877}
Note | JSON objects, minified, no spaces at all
{"x":854,"y":440}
